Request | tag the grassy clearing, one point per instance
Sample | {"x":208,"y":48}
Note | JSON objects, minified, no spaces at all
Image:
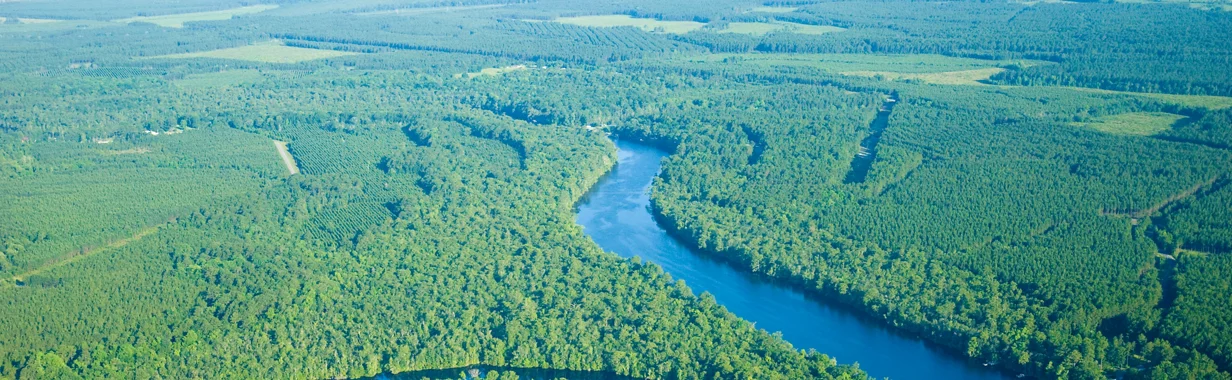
{"x":140,"y":150}
{"x":492,"y":71}
{"x":1190,"y":252}
{"x":838,"y":63}
{"x":30,"y":25}
{"x":812,"y":29}
{"x":269,"y":52}
{"x":226,"y":78}
{"x":903,"y":68}
{"x":427,"y":10}
{"x":178,"y":20}
{"x":318,"y":7}
{"x":761,"y":28}
{"x":752,"y":28}
{"x":962,"y":77}
{"x":647,"y":24}
{"x":37,"y":20}
{"x":774,"y":9}
{"x":1134,"y":123}
{"x":1205,"y":101}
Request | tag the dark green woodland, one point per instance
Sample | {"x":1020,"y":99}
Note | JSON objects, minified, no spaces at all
{"x":1051,"y":190}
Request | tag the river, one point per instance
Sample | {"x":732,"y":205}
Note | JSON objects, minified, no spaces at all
{"x":616,"y":214}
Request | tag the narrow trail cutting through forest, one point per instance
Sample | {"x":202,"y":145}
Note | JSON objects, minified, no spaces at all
{"x":863,"y":161}
{"x":286,"y":157}
{"x":77,"y":256}
{"x":1146,"y":212}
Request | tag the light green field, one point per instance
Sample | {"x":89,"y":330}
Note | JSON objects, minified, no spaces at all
{"x":752,"y":28}
{"x":269,"y":52}
{"x":1204,"y":101}
{"x":773,"y":9}
{"x":36,"y":20}
{"x":318,"y":7}
{"x":493,"y":71}
{"x":761,"y":28}
{"x":948,"y":70}
{"x":26,"y":25}
{"x":1134,"y":123}
{"x":220,"y":79}
{"x":812,"y":29}
{"x":420,"y":11}
{"x":839,"y":63}
{"x":962,"y":77}
{"x":178,"y":20}
{"x":647,"y":24}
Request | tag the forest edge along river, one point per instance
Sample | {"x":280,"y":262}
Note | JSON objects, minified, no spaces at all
{"x":617,"y":215}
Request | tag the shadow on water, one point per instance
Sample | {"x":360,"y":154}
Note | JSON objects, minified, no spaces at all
{"x":481,"y":372}
{"x":617,"y":215}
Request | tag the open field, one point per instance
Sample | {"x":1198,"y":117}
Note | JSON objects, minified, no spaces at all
{"x":37,"y":20}
{"x":178,"y":20}
{"x":141,"y":150}
{"x":320,"y":7}
{"x":1134,"y":123}
{"x":647,"y":24}
{"x":753,"y":28}
{"x":760,"y":28}
{"x":812,"y":29}
{"x":839,"y":63}
{"x":220,"y":79}
{"x":774,"y":9}
{"x":963,"y":77}
{"x":271,"y":52}
{"x":1204,"y":101}
{"x":427,"y":10}
{"x":26,"y":25}
{"x":492,"y":71}
{"x":944,"y":69}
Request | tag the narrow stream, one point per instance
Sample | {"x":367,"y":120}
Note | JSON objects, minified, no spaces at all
{"x":616,"y":214}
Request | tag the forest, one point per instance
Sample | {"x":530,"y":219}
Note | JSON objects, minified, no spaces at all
{"x":1043,"y":187}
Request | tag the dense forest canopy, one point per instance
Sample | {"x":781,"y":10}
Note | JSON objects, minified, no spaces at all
{"x":1041,"y":186}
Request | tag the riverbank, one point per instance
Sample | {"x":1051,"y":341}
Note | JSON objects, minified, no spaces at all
{"x":618,"y":215}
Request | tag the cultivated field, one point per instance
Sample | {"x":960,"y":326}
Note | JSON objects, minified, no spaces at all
{"x":270,"y":52}
{"x":1134,"y":123}
{"x":178,"y":20}
{"x":647,"y":24}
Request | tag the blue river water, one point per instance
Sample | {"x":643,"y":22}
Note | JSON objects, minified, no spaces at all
{"x":616,"y":214}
